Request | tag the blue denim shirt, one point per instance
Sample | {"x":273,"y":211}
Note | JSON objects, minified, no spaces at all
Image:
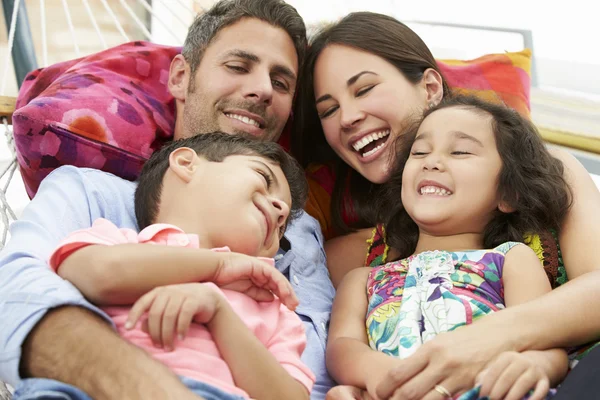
{"x":72,"y":198}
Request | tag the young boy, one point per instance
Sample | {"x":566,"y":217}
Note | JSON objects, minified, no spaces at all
{"x":219,"y":205}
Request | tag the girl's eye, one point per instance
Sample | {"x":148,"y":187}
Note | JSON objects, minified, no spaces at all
{"x":418,"y":153}
{"x":267,"y":178}
{"x":364,"y":91}
{"x":460,"y":153}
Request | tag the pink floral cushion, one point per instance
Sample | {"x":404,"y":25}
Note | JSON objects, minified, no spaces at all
{"x":109,"y":111}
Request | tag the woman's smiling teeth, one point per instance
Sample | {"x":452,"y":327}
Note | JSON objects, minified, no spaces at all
{"x":371,"y":143}
{"x":434,"y":190}
{"x":244,"y":119}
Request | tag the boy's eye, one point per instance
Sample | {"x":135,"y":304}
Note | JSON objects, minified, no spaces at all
{"x":267,"y":178}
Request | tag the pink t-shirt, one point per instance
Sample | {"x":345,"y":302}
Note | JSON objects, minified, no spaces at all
{"x":197,"y":356}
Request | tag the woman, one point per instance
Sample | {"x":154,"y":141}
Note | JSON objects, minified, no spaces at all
{"x":365,"y":77}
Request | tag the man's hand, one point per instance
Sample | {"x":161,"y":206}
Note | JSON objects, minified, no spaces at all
{"x":512,"y":375}
{"x":171,"y":309}
{"x":255,"y":278}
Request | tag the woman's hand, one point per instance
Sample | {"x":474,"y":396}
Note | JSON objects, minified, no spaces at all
{"x":511,"y":376}
{"x":452,"y":360}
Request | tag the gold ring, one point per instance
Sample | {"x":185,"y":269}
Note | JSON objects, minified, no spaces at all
{"x":443,"y":391}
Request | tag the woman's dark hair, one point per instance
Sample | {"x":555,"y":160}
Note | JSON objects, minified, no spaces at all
{"x":531,"y":181}
{"x":384,"y":37}
{"x":214,"y":147}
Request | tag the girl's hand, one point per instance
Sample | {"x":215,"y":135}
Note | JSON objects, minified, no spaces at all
{"x":171,"y":309}
{"x":254,"y":277}
{"x":511,"y":376}
{"x":344,"y":392}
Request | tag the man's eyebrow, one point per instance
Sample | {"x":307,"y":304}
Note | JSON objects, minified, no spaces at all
{"x":463,"y":135}
{"x":263,"y":164}
{"x":278,"y":69}
{"x":351,"y":81}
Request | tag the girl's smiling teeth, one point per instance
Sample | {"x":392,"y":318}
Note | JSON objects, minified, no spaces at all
{"x":371,"y":143}
{"x":244,"y":119}
{"x":435,"y":191}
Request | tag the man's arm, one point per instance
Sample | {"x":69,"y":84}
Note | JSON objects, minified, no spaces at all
{"x":69,"y":336}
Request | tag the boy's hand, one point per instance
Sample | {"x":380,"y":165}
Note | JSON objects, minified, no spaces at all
{"x":343,"y":392}
{"x":171,"y":309}
{"x":254,"y":277}
{"x":511,"y":376}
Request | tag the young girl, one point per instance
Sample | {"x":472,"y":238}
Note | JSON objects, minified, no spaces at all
{"x":209,"y":207}
{"x":473,"y":178}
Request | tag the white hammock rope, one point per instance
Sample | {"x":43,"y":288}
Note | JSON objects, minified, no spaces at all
{"x":148,"y":8}
{"x":136,"y":19}
{"x":44,"y":34}
{"x":94,"y":23}
{"x":11,"y":41}
{"x":115,"y":20}
{"x":71,"y":28}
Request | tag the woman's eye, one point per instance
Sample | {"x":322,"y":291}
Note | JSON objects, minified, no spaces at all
{"x":328,"y":112}
{"x":364,"y":91}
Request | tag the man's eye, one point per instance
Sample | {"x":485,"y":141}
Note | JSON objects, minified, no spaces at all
{"x":237,"y":68}
{"x":279,"y":84}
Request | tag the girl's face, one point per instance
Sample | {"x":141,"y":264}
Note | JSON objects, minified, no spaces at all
{"x":363,"y":103}
{"x":450,"y":181}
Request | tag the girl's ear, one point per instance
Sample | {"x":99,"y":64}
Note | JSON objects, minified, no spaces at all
{"x":506,"y":208}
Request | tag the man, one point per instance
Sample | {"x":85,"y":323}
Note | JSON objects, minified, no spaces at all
{"x":225,"y":79}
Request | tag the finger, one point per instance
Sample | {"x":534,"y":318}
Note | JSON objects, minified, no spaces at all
{"x":522,"y":386}
{"x":259,"y":294}
{"x":541,"y":390}
{"x":418,"y":386}
{"x":139,"y":308}
{"x":169,"y":321}
{"x":506,"y":380}
{"x":185,"y":317}
{"x":155,"y":319}
{"x":401,"y":374}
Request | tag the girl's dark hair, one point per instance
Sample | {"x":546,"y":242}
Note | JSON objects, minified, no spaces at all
{"x":531,"y":181}
{"x":384,"y":37}
{"x":215,"y":147}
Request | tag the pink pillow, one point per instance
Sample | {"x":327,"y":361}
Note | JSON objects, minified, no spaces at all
{"x":109,"y":110}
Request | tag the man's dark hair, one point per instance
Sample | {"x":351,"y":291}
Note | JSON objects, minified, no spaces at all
{"x":531,"y":181}
{"x":214,"y":147}
{"x":227,"y":12}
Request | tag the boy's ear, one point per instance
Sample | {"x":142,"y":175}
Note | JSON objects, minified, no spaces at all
{"x":183,"y":162}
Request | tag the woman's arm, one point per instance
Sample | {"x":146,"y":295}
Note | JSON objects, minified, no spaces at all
{"x":345,"y":253}
{"x":580,"y":231}
{"x":350,"y":360}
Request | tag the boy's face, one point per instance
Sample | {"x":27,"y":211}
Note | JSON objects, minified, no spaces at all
{"x":242,"y":202}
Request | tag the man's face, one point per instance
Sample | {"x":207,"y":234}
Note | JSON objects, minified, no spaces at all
{"x":245,"y":82}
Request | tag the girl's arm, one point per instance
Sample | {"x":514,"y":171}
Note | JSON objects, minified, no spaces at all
{"x":350,"y":360}
{"x":524,"y":280}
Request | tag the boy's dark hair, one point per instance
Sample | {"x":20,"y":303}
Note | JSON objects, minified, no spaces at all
{"x":214,"y":147}
{"x":224,"y":13}
{"x":531,"y":181}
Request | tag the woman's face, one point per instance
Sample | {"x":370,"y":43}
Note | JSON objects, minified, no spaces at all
{"x":363,"y":103}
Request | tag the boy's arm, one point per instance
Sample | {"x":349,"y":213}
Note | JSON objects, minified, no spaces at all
{"x":350,"y":360}
{"x":37,"y":340}
{"x":254,"y":368}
